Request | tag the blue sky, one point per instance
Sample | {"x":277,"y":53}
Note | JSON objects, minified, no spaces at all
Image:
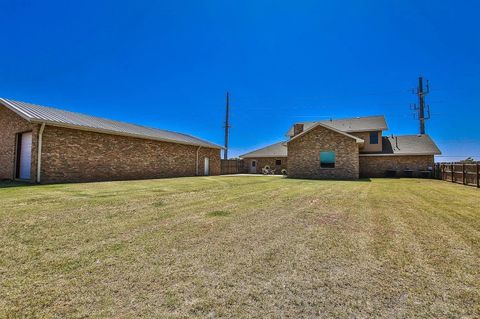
{"x":168,"y":64}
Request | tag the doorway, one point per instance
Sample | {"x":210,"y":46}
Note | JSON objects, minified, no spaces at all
{"x":253,"y":166}
{"x":206,"y":166}
{"x":24,"y":156}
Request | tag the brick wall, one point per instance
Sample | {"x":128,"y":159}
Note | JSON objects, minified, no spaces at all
{"x":11,"y":124}
{"x":76,"y":156}
{"x":304,"y":155}
{"x":375,"y":166}
{"x":264,"y":161}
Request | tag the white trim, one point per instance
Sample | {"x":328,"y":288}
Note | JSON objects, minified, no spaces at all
{"x":39,"y":155}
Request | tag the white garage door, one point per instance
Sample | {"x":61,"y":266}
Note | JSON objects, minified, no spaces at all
{"x":25,"y":155}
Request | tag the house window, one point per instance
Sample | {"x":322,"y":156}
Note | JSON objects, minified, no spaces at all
{"x":373,"y":137}
{"x":327,"y":159}
{"x":278,"y":162}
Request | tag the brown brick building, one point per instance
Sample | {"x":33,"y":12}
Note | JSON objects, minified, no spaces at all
{"x":47,"y":145}
{"x":349,"y":149}
{"x":274,"y":156}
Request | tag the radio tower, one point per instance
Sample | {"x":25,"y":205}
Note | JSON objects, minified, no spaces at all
{"x":423,"y":110}
{"x":227,"y":127}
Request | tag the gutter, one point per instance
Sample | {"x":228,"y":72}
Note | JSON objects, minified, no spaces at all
{"x":196,"y":162}
{"x":39,"y":148}
{"x":397,"y":154}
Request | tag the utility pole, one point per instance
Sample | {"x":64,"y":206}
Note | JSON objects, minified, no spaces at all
{"x":227,"y":126}
{"x":423,"y":111}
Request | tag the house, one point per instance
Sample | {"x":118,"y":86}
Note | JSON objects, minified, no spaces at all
{"x":273,"y":156}
{"x":349,"y":149}
{"x":48,"y":145}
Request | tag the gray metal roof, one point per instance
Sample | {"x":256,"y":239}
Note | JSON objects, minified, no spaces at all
{"x":274,"y":150}
{"x":407,"y":145}
{"x":356,"y":124}
{"x":51,"y":116}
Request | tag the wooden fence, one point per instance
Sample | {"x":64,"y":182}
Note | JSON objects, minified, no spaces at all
{"x":232,"y":166}
{"x":461,"y":173}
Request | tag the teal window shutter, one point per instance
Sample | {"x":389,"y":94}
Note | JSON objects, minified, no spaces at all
{"x":327,"y":159}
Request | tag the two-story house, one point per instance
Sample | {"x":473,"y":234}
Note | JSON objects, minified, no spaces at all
{"x":347,"y":149}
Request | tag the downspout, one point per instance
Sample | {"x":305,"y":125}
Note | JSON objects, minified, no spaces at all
{"x":196,"y":163}
{"x":39,"y":148}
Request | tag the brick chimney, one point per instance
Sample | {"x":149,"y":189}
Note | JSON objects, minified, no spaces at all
{"x":297,"y":129}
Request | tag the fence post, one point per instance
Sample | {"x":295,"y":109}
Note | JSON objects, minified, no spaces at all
{"x":463,"y":174}
{"x":453,"y":175}
{"x":478,"y":177}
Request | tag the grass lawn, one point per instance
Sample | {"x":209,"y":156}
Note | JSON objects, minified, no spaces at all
{"x":240,"y":246}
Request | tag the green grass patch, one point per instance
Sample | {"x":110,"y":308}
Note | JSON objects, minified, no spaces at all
{"x":218,"y":213}
{"x":240,"y":247}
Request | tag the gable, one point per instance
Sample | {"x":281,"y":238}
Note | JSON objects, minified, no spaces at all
{"x":326,"y":127}
{"x":348,"y":125}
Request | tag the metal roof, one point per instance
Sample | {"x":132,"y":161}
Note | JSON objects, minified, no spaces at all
{"x":55,"y":117}
{"x":348,"y":125}
{"x":407,"y":145}
{"x":274,"y":150}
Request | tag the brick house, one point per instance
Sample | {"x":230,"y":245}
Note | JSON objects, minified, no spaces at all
{"x":48,"y":145}
{"x":353,"y":148}
{"x":273,"y":156}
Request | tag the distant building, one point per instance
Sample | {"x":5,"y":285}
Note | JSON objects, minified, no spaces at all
{"x":346,"y":149}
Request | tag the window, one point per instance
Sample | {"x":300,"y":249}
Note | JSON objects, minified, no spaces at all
{"x":254,"y":163}
{"x":278,"y":162}
{"x":327,"y":159}
{"x":373,"y":137}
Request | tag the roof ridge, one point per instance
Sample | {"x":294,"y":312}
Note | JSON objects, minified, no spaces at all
{"x":82,"y":117}
{"x":263,"y":148}
{"x":352,"y":118}
{"x":90,"y":116}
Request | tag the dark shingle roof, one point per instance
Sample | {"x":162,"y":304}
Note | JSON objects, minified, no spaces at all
{"x":407,"y":145}
{"x":52,"y":116}
{"x":274,"y":150}
{"x":356,"y":124}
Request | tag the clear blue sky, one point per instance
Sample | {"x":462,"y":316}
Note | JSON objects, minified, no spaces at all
{"x":167,"y":64}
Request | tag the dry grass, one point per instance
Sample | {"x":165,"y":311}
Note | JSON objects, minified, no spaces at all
{"x":240,"y":247}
